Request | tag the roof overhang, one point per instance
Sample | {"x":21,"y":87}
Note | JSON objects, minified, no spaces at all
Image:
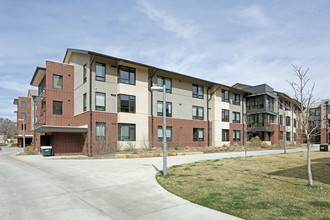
{"x":61,"y":129}
{"x":38,"y":76}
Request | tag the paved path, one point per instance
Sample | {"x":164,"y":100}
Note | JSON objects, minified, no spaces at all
{"x":34,"y":187}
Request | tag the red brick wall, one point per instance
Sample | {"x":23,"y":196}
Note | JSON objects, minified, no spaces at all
{"x":182,"y":132}
{"x":324,"y":136}
{"x":27,"y":111}
{"x":65,"y":94}
{"x":275,"y":135}
{"x":68,"y":143}
{"x":111,"y":131}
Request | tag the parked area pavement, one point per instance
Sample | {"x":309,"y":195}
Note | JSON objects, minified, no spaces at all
{"x":34,"y":187}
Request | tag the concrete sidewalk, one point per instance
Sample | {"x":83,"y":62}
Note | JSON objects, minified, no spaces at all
{"x":33,"y":187}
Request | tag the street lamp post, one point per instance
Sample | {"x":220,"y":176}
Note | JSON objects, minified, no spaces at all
{"x":158,"y":88}
{"x":23,"y":133}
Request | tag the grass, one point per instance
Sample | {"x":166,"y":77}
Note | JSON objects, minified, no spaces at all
{"x":263,"y":187}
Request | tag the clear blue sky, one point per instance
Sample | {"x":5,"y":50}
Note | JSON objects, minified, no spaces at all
{"x":251,"y":42}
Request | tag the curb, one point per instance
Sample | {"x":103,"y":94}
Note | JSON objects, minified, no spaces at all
{"x":127,"y":156}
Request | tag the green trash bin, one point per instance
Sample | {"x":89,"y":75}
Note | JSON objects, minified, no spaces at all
{"x":46,"y":151}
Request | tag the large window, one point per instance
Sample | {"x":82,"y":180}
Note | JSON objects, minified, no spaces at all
{"x":294,"y":123}
{"x":100,"y":131}
{"x":288,"y":136}
{"x":314,"y":112}
{"x":197,"y":91}
{"x":288,"y":121}
{"x":100,"y":72}
{"x":126,"y":103}
{"x":168,"y":133}
{"x":57,"y":82}
{"x":24,"y":127}
{"x":280,"y":103}
{"x":85,"y":102}
{"x":99,"y":101}
{"x":42,"y":85}
{"x":236,"y":99}
{"x":225,"y":135}
{"x":225,"y":95}
{"x":160,"y":108}
{"x":281,"y":119}
{"x":225,"y":115}
{"x":236,"y":117}
{"x":198,"y":134}
{"x":23,"y":104}
{"x":168,"y":83}
{"x":287,"y":105}
{"x":23,"y":115}
{"x":198,"y":112}
{"x":126,"y":132}
{"x":236,"y":135}
{"x":85,"y":73}
{"x":57,"y":108}
{"x":126,"y":75}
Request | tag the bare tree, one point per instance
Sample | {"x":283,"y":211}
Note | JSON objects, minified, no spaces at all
{"x":8,"y":127}
{"x":304,"y":97}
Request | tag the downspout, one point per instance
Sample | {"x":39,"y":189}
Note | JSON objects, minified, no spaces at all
{"x":208,"y":116}
{"x":90,"y":107}
{"x":152,"y":107}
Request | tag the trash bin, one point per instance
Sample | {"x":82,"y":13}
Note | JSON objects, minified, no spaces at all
{"x":46,"y":151}
{"x":324,"y":147}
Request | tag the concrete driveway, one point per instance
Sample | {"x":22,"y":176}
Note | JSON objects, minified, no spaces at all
{"x":33,"y":187}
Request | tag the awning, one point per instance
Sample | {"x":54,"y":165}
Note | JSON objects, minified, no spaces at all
{"x":62,"y":129}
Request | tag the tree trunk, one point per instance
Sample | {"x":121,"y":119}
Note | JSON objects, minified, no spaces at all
{"x":309,"y":165}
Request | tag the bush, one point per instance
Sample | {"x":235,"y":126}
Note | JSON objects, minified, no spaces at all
{"x":255,"y":141}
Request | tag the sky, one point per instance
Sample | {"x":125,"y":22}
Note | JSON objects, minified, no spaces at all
{"x":250,"y":42}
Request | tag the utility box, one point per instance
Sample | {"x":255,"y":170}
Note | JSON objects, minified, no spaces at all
{"x":324,"y":147}
{"x":47,"y":151}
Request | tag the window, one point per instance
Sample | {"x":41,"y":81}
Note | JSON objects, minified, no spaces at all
{"x":287,"y":105}
{"x":287,"y":121}
{"x":168,"y":83}
{"x":288,"y":136}
{"x":281,"y":119}
{"x":198,"y":112}
{"x":126,"y":132}
{"x":236,"y":99}
{"x":23,"y":105}
{"x":23,"y":115}
{"x":57,"y":108}
{"x":198,"y":134}
{"x":100,"y":101}
{"x":225,"y":95}
{"x":314,"y":112}
{"x":24,"y":127}
{"x":126,"y":103}
{"x":85,"y":102}
{"x":57,"y":82}
{"x":100,"y":131}
{"x":236,"y":135}
{"x":225,"y":135}
{"x":281,"y":135}
{"x":85,"y":73}
{"x":100,"y":72}
{"x":280,"y":102}
{"x":126,"y":75}
{"x":197,"y":91}
{"x":168,"y":133}
{"x":225,"y":115}
{"x":236,"y":117}
{"x":160,"y":108}
{"x":294,"y":123}
{"x":42,"y":85}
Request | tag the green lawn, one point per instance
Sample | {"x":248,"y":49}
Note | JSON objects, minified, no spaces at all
{"x":263,"y":187}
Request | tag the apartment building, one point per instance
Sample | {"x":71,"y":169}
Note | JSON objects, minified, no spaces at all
{"x":93,"y":103}
{"x":319,"y":115}
{"x":25,"y":110}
